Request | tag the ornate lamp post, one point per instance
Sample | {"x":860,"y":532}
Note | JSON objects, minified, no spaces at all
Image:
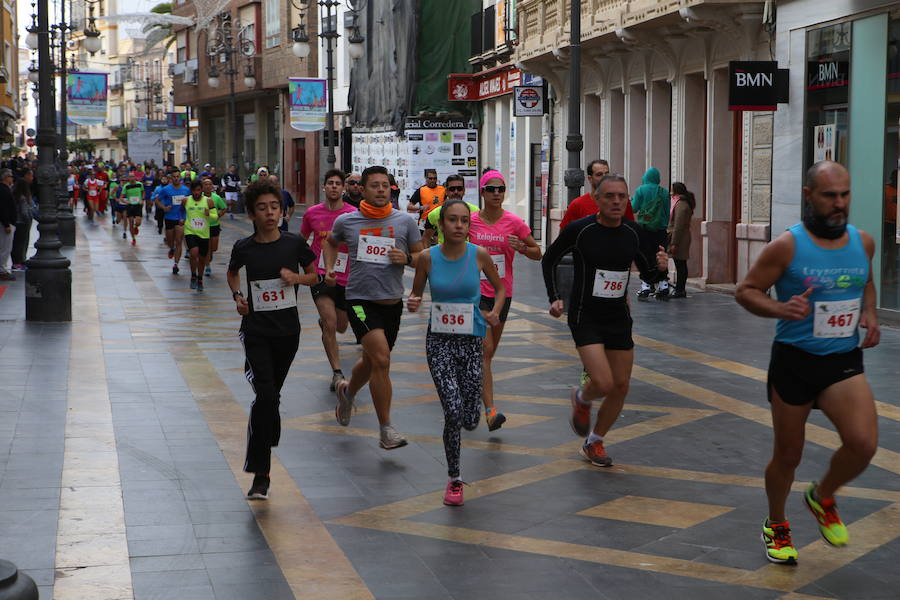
{"x":329,"y":34}
{"x":48,"y":280}
{"x":66,"y":218}
{"x":223,"y":46}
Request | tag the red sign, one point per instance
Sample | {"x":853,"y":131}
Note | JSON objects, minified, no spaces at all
{"x":481,"y":86}
{"x":30,"y":142}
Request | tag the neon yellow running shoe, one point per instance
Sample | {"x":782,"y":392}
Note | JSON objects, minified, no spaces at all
{"x":779,"y":546}
{"x":825,"y":511}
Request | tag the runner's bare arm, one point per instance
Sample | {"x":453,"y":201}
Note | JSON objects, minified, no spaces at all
{"x":234,"y":284}
{"x":490,"y":271}
{"x":527,"y":247}
{"x":329,"y":249}
{"x":868,"y":320}
{"x":423,"y":267}
{"x":752,"y":294}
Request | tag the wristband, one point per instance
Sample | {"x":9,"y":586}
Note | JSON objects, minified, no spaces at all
{"x":235,"y":294}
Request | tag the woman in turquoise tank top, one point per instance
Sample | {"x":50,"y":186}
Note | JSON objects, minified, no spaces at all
{"x":453,"y":344}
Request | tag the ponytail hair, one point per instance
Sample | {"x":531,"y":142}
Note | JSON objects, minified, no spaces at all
{"x":681,"y":190}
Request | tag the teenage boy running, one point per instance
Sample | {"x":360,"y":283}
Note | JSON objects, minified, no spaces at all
{"x":133,"y":196}
{"x":270,"y":327}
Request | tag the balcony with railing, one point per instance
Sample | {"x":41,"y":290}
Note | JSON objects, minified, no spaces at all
{"x":543,"y":25}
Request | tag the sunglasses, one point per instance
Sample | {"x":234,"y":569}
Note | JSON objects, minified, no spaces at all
{"x":456,"y":188}
{"x":354,"y":182}
{"x":490,"y":189}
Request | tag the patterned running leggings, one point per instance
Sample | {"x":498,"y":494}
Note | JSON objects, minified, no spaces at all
{"x":455,"y":364}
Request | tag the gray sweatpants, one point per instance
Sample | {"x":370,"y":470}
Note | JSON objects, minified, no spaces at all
{"x":6,"y":240}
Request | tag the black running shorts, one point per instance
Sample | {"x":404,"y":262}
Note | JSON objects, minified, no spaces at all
{"x":365,"y":316}
{"x":799,"y":377}
{"x":613,"y":334}
{"x":487,"y":303}
{"x":172,"y":224}
{"x":135,"y":210}
{"x":215,"y":231}
{"x":336,"y":293}
{"x":195,"y":241}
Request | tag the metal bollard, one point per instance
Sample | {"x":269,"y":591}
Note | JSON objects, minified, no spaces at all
{"x":15,"y":585}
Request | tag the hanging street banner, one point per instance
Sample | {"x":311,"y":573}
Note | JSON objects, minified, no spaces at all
{"x":176,"y":125}
{"x":145,"y":146}
{"x":87,"y":93}
{"x":140,"y":124}
{"x":309,"y":103}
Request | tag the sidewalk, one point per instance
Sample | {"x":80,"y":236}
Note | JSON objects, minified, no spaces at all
{"x":122,"y":437}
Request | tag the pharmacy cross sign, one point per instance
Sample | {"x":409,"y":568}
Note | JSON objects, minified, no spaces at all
{"x":756,"y":85}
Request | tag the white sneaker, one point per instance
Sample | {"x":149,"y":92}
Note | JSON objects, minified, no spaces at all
{"x":391,"y":438}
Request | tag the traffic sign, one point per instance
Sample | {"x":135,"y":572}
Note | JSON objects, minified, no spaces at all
{"x":30,"y":132}
{"x":30,"y":142}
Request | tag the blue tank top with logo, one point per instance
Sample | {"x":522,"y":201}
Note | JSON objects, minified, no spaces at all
{"x":458,"y":281}
{"x":838,"y":278}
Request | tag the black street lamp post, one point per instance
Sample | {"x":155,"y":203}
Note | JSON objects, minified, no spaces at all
{"x":48,"y":280}
{"x":223,"y":46}
{"x":574,"y":176}
{"x":66,"y":218}
{"x":330,"y":34}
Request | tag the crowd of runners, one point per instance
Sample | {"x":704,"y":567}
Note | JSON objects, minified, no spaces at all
{"x":352,"y":251}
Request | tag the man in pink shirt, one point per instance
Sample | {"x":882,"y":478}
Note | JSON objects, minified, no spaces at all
{"x":330,"y":301}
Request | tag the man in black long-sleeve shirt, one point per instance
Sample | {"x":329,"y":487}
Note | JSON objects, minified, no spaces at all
{"x":604,"y":246}
{"x":7,"y":223}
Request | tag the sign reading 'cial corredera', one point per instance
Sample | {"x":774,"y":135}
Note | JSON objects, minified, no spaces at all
{"x":756,"y":85}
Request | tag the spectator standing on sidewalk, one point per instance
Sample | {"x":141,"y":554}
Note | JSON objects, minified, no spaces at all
{"x":7,"y":223}
{"x":651,"y":210}
{"x":24,"y":214}
{"x":680,"y":234}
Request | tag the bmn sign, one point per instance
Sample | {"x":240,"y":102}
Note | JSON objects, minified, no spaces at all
{"x":756,"y":85}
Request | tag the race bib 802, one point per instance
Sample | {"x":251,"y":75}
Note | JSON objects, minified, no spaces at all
{"x":374,"y":249}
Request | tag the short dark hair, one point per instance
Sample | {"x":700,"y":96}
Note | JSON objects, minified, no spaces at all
{"x":260,"y":187}
{"x":454,"y":177}
{"x":373,"y":170}
{"x":599,"y":161}
{"x":195,"y":184}
{"x":450,"y":203}
{"x":334,"y":173}
{"x":430,"y":172}
{"x":613,"y":177}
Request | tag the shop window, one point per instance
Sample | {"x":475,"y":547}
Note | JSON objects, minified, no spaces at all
{"x":827,"y":94}
{"x":890,"y":286}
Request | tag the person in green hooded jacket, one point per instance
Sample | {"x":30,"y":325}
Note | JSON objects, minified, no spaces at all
{"x":651,"y":211}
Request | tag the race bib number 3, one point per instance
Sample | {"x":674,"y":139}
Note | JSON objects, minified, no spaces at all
{"x":272,"y":294}
{"x":610,"y":284}
{"x":836,"y":319}
{"x":340,"y":265}
{"x":374,"y":249}
{"x":499,"y":264}
{"x":453,"y":317}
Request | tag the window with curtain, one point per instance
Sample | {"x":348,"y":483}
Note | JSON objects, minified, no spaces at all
{"x":273,"y":23}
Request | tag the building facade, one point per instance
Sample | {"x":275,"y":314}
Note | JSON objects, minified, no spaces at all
{"x":10,"y":98}
{"x":258,"y":132}
{"x":844,"y":60}
{"x":654,"y":93}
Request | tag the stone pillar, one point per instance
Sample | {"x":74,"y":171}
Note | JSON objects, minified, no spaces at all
{"x":718,"y":228}
{"x":659,"y":132}
{"x":616,"y":150}
{"x":635,"y":135}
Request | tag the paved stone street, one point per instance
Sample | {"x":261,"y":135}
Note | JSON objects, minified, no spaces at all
{"x":122,"y":438}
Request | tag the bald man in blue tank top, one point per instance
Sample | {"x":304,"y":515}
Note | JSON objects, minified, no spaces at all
{"x":822,"y":272}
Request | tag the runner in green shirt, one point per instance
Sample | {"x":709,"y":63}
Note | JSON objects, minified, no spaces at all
{"x":133,"y":198}
{"x":215,"y":228}
{"x":197,"y":211}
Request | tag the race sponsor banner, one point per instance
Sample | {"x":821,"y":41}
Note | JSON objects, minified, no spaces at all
{"x":176,"y":125}
{"x":87,"y":96}
{"x":145,"y":146}
{"x":309,"y":103}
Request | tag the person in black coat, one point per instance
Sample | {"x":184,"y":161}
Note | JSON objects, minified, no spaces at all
{"x":7,"y":223}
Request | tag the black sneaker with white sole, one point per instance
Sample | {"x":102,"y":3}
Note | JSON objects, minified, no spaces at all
{"x":260,"y":488}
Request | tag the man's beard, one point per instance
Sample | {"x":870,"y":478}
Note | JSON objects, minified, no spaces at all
{"x":829,"y":227}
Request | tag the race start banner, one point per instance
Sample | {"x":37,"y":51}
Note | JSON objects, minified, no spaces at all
{"x":176,"y":125}
{"x":309,"y":103}
{"x":87,"y":95}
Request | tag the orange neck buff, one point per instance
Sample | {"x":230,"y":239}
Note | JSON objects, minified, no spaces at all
{"x":370,"y":211}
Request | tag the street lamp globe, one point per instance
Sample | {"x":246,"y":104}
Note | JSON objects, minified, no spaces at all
{"x":250,"y":81}
{"x":355,"y":49}
{"x":92,"y":44}
{"x":31,"y":40}
{"x":300,"y":49}
{"x":33,"y":74}
{"x":213,"y":81}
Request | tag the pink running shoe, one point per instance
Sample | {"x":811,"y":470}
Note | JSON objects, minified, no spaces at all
{"x":454,"y":494}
